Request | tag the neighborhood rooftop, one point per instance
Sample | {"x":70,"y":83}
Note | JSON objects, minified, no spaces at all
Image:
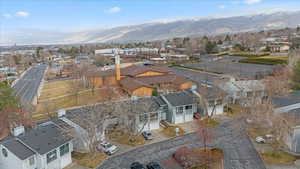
{"x":290,"y":99}
{"x":180,"y":98}
{"x":18,"y":148}
{"x":44,"y":138}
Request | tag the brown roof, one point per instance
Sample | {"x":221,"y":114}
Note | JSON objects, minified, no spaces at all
{"x":136,"y":70}
{"x":130,"y":83}
{"x":169,"y":78}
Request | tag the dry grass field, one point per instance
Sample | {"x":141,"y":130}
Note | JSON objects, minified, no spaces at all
{"x":58,"y":95}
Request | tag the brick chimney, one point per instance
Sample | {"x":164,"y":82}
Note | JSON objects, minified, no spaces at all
{"x":117,"y":63}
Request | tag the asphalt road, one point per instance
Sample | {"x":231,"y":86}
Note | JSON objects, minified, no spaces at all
{"x":26,"y":88}
{"x":238,"y":150}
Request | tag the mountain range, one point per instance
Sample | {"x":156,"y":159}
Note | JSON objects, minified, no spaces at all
{"x":159,"y":30}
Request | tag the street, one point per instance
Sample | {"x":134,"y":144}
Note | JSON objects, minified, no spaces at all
{"x":27,"y":86}
{"x":239,"y":153}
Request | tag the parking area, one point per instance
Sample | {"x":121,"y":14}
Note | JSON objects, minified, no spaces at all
{"x":238,"y":150}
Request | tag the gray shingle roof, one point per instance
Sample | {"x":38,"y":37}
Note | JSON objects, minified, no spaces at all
{"x":290,"y":99}
{"x":181,"y":98}
{"x":44,"y":138}
{"x":18,"y":148}
{"x":148,"y":104}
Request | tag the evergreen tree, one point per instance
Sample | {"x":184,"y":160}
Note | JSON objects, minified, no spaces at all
{"x":297,"y":76}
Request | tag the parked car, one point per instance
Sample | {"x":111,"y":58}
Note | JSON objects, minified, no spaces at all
{"x":197,"y":116}
{"x":137,"y":165}
{"x":153,"y":165}
{"x":147,"y":135}
{"x":260,"y":140}
{"x":108,"y":148}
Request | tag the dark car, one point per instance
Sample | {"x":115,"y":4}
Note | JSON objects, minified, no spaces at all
{"x":153,"y":165}
{"x":147,"y":135}
{"x":137,"y":165}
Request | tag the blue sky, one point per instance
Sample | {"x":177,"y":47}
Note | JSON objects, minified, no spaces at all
{"x":66,"y":15}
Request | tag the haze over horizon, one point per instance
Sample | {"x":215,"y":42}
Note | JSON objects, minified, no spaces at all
{"x":77,"y":15}
{"x":90,"y":21}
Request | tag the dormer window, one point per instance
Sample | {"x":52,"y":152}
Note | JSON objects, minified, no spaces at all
{"x":4,"y":152}
{"x":51,"y":156}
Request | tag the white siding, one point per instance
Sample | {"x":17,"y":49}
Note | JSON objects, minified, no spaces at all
{"x":11,"y":161}
{"x":219,"y":109}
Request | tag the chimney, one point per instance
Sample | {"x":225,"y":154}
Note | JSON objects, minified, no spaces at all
{"x":117,"y":63}
{"x":18,"y":130}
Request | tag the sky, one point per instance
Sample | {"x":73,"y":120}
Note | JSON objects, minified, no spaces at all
{"x":76,"y":15}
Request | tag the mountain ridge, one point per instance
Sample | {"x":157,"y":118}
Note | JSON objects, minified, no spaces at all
{"x":151,"y":31}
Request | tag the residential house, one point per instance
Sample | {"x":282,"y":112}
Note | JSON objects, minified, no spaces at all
{"x":141,"y":80}
{"x":289,"y":107}
{"x":240,"y":91}
{"x":214,"y":98}
{"x":287,"y":103}
{"x":144,"y":113}
{"x":44,"y":147}
{"x":181,"y":106}
{"x":292,"y":136}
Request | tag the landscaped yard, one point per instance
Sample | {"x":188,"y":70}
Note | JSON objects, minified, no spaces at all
{"x":89,"y":160}
{"x":272,"y":156}
{"x":209,"y":122}
{"x":124,"y":137}
{"x":233,"y":110}
{"x":170,"y":131}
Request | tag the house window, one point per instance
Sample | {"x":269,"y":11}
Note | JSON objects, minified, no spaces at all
{"x":154,"y":116}
{"x":189,"y":107}
{"x":31,"y":161}
{"x":4,"y":152}
{"x":211,"y":103}
{"x":179,"y":110}
{"x":219,"y":102}
{"x":64,"y":149}
{"x":249,"y":94}
{"x":51,"y":156}
{"x":143,"y":117}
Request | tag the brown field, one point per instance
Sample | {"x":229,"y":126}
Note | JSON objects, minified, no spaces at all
{"x":58,"y":95}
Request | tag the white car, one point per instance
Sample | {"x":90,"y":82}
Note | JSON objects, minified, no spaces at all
{"x":108,"y":148}
{"x":260,"y":140}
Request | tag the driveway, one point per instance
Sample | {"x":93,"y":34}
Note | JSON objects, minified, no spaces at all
{"x":238,"y":150}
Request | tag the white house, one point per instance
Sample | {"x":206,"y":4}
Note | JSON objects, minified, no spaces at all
{"x":146,"y":111}
{"x":240,"y":90}
{"x":44,"y":147}
{"x":289,"y":107}
{"x":214,"y":98}
{"x":287,"y":103}
{"x":181,"y":106}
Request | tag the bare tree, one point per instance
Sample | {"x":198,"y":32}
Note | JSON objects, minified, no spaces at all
{"x":279,"y":83}
{"x":209,"y":98}
{"x":92,"y":119}
{"x":294,"y":57}
{"x":135,"y":114}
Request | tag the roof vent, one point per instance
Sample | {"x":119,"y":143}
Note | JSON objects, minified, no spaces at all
{"x":18,"y":130}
